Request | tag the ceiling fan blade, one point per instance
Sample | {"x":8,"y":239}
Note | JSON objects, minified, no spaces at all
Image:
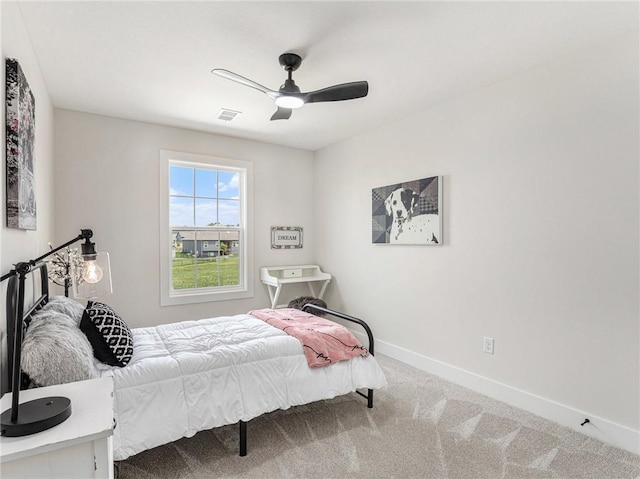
{"x":281,"y":114}
{"x":242,"y":80}
{"x":344,"y":91}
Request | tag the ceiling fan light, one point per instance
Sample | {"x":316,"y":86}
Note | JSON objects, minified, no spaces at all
{"x":288,"y":101}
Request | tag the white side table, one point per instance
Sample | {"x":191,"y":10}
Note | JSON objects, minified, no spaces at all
{"x":79,"y":448}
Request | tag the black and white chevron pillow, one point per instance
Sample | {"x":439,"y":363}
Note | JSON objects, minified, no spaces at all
{"x":108,"y":334}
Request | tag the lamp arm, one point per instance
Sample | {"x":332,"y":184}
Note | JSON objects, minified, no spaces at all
{"x":26,"y":266}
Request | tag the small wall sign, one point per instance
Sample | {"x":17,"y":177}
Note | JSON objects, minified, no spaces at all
{"x":286,"y":237}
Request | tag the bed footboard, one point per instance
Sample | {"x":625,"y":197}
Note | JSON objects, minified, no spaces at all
{"x":309,"y":308}
{"x":242,"y":425}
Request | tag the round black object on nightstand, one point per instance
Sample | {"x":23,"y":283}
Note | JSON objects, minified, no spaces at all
{"x":36,"y":416}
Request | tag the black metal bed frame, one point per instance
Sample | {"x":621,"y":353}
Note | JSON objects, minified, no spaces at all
{"x":15,"y":334}
{"x":369,"y":396}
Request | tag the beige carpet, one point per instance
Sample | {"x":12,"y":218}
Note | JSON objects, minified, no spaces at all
{"x":421,"y":426}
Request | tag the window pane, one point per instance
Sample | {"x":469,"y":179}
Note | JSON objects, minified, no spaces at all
{"x":180,"y":211}
{"x":206,"y":263}
{"x":229,"y":259}
{"x":228,"y":185}
{"x":206,"y":183}
{"x":180,"y":181}
{"x":183,"y":271}
{"x":207,"y":273}
{"x":206,"y":212}
{"x":229,"y":212}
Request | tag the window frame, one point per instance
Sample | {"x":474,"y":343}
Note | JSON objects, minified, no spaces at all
{"x":171,"y":297}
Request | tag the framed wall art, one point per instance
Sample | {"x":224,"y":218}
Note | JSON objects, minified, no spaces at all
{"x":408,"y":213}
{"x":20,"y":138}
{"x":286,"y":237}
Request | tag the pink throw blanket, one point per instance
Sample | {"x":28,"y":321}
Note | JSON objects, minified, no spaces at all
{"x":324,"y":341}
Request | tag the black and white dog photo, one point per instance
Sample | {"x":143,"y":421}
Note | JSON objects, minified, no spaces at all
{"x":406,"y":226}
{"x":412,"y":213}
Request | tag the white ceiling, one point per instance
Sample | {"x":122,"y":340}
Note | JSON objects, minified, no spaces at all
{"x":151,"y":61}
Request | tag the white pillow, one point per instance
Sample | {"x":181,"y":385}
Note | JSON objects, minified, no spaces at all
{"x":55,"y":351}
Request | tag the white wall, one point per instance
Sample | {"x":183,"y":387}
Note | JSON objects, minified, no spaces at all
{"x":19,"y":245}
{"x":541,"y":208}
{"x":107,"y":179}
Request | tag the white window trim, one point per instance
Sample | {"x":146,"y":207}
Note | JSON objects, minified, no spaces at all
{"x":170,"y":297}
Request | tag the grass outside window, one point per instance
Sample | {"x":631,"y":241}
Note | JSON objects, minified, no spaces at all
{"x":205,"y":272}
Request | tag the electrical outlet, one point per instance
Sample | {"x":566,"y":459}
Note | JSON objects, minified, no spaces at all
{"x":487,"y":345}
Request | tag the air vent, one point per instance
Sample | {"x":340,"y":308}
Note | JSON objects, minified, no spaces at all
{"x":227,"y":115}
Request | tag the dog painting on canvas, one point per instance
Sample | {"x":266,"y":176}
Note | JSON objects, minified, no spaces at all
{"x":406,"y":226}
{"x":411,"y":213}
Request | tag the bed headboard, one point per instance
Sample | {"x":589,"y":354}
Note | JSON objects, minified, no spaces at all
{"x":36,"y":295}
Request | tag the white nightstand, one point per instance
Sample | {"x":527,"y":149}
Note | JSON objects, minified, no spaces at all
{"x":81,"y":447}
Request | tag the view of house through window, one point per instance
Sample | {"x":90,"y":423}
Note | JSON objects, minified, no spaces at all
{"x":206,"y":226}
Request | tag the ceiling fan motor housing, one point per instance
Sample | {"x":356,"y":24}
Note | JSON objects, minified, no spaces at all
{"x":289,"y":87}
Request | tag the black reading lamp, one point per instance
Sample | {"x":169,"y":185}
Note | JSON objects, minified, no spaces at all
{"x":44,"y":413}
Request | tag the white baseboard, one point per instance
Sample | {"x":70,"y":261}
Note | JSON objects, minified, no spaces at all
{"x":598,"y":428}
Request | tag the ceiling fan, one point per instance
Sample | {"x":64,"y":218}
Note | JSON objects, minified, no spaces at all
{"x":289,"y":96}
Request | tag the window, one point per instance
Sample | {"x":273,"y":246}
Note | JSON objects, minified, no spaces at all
{"x":205,"y":244}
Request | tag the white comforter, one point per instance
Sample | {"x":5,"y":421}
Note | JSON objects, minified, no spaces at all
{"x":195,"y":375}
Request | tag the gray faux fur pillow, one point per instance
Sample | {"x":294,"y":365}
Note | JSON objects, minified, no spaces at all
{"x":55,"y":351}
{"x":65,"y":305}
{"x":299,"y":303}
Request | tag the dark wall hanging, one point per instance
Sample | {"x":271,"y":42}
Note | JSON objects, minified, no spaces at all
{"x":20,"y":132}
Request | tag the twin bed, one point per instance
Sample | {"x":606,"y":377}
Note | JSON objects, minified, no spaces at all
{"x":191,"y":376}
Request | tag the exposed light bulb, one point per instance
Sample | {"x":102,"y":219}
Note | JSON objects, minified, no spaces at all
{"x":288,"y":101}
{"x":91,"y":272}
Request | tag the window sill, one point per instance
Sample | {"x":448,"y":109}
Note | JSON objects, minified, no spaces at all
{"x":202,"y":297}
